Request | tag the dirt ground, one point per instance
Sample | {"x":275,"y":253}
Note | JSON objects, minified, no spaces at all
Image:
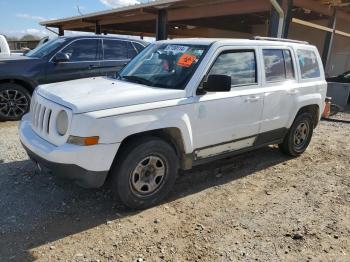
{"x":260,"y":206}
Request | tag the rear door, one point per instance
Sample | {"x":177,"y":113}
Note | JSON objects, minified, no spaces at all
{"x":116,"y":53}
{"x":84,"y":56}
{"x":280,"y":88}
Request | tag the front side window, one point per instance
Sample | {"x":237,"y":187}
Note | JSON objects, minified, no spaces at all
{"x":240,"y":65}
{"x":278,"y":65}
{"x":82,"y":50}
{"x":115,"y":50}
{"x":308,"y":64}
{"x":164,"y":65}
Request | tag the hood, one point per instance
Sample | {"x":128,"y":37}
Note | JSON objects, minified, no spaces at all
{"x":93,"y":94}
{"x":16,"y":57}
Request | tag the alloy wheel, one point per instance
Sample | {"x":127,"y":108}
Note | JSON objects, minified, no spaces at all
{"x":13,"y":103}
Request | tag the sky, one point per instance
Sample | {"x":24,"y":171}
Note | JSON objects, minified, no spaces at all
{"x":20,"y":17}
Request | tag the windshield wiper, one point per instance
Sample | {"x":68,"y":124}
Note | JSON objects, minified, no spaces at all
{"x":138,"y":80}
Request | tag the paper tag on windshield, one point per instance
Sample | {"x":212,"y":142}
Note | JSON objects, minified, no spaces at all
{"x":186,"y":60}
{"x":176,"y":49}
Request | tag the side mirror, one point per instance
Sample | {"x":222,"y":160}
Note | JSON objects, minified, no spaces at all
{"x":217,"y":83}
{"x":61,"y":57}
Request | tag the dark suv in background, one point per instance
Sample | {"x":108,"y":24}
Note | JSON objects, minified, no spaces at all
{"x":61,"y":59}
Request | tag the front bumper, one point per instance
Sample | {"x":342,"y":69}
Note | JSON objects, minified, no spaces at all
{"x":86,"y":165}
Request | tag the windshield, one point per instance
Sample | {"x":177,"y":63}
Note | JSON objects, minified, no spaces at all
{"x":164,"y":65}
{"x":46,"y":48}
{"x":346,"y":75}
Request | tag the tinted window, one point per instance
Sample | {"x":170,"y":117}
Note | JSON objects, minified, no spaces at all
{"x":131,"y":51}
{"x":308,"y":64}
{"x":82,"y":50}
{"x":115,"y":50}
{"x":240,"y":65}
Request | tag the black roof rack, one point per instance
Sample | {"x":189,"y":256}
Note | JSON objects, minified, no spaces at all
{"x":280,"y":39}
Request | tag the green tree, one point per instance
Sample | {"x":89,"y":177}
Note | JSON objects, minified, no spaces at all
{"x":29,"y":37}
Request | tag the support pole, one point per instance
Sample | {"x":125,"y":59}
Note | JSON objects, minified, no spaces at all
{"x":328,"y":41}
{"x":288,"y":18}
{"x":97,"y":28}
{"x":60,"y":31}
{"x":276,"y":19}
{"x":162,"y":25}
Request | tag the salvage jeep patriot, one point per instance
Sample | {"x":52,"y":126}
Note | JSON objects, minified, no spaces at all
{"x":177,"y":104}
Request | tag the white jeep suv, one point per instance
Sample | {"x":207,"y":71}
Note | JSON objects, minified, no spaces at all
{"x":178,"y":104}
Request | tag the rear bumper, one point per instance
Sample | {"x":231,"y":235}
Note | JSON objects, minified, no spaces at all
{"x":87,"y":165}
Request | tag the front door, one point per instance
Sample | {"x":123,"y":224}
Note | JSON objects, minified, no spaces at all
{"x":83,"y":62}
{"x":230,"y":121}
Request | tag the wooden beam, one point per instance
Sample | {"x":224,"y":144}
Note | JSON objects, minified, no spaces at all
{"x":317,"y":7}
{"x":223,"y":9}
{"x":313,"y":25}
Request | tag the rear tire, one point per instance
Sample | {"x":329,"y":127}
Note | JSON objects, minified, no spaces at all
{"x":14,"y":101}
{"x":299,"y":135}
{"x":145,"y":172}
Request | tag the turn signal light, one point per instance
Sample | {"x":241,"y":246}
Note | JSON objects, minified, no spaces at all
{"x":83,"y":141}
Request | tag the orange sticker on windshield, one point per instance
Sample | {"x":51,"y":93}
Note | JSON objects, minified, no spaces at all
{"x":186,"y":60}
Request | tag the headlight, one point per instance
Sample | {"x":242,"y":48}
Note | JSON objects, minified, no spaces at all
{"x":62,"y":123}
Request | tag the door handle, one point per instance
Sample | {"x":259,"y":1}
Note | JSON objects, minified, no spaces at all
{"x":92,"y":67}
{"x":292,"y":92}
{"x":252,"y":99}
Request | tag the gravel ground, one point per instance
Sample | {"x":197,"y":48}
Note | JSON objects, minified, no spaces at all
{"x":260,"y":206}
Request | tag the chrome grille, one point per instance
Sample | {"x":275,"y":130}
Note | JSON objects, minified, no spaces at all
{"x":41,"y":116}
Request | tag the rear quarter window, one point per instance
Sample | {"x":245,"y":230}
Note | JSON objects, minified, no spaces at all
{"x":308,"y":62}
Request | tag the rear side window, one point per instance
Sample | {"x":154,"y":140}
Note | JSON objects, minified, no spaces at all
{"x":308,"y":64}
{"x":115,"y":50}
{"x":239,"y":65}
{"x":82,"y":50}
{"x":278,"y":65}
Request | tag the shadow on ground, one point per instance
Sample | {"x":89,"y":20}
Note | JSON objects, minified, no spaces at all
{"x":36,"y":208}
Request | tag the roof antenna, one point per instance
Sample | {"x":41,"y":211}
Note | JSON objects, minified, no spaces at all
{"x":78,"y":8}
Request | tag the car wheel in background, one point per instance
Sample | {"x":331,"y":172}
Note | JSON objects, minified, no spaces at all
{"x":14,"y":101}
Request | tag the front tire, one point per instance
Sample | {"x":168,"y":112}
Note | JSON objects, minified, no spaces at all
{"x":14,"y":101}
{"x":145,"y":173}
{"x":299,"y":135}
